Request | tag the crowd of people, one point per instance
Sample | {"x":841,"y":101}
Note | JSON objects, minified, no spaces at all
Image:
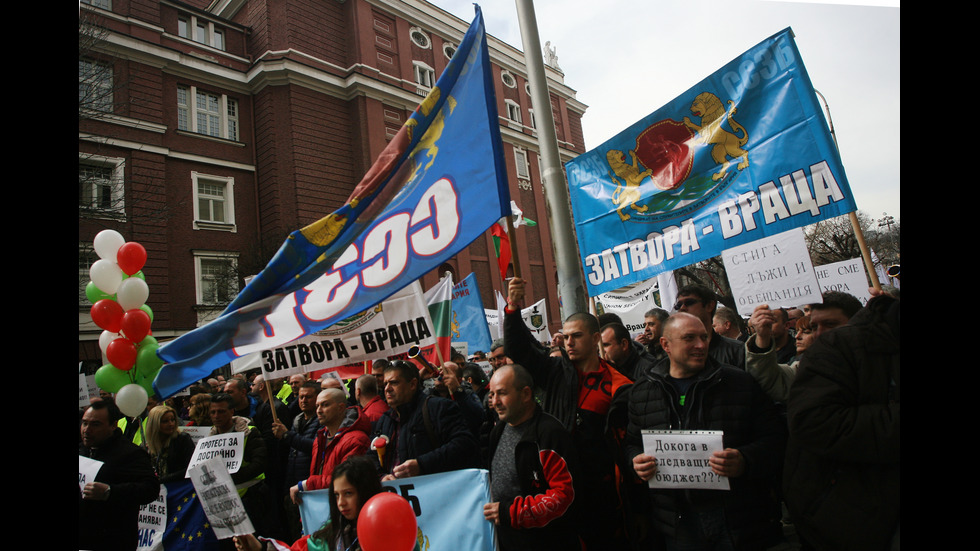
{"x":807,"y":401}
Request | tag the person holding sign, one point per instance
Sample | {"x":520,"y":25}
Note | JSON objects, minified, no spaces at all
{"x":691,"y":391}
{"x":109,"y":502}
{"x":353,"y":482}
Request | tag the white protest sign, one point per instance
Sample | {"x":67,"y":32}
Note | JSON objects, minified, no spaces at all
{"x":83,"y":390}
{"x":220,"y":499}
{"x":196,"y":432}
{"x":846,"y":276}
{"x":229,"y":448}
{"x":682,"y":458}
{"x":536,"y":319}
{"x":774,"y":270}
{"x":630,"y":304}
{"x":388,"y":329}
{"x":493,"y":321}
{"x":153,"y":522}
{"x":87,"y":470}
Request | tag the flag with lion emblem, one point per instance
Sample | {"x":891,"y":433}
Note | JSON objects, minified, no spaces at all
{"x":744,"y":154}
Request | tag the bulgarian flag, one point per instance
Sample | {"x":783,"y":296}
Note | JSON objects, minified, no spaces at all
{"x":501,"y":241}
{"x":440,"y":302}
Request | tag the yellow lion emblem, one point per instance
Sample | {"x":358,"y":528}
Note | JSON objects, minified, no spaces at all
{"x":726,"y":144}
{"x":628,"y":191}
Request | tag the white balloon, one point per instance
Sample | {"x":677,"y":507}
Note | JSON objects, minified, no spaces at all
{"x":132,"y":399}
{"x":132,"y":293}
{"x":106,"y":275}
{"x":107,"y":243}
{"x":105,"y":338}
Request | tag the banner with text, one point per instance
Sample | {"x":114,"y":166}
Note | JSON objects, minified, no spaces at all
{"x":448,"y":508}
{"x":775,"y":271}
{"x":630,"y":304}
{"x":744,"y":154}
{"x":388,"y":329}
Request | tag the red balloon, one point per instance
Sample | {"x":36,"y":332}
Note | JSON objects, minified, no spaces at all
{"x":121,"y":353}
{"x":387,"y":523}
{"x":135,"y":325}
{"x":107,"y":314}
{"x":131,"y":257}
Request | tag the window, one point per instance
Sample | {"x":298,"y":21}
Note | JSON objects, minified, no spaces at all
{"x":214,"y":202}
{"x":448,"y":50}
{"x":100,"y":185}
{"x":531,"y":120}
{"x":520,"y":158}
{"x":95,"y":86}
{"x":513,"y":110}
{"x":104,"y":4}
{"x":207,"y":113}
{"x":419,"y":38}
{"x":201,"y":31}
{"x":217,"y":277}
{"x":425,"y":76}
{"x":508,"y":79}
{"x":86,"y":257}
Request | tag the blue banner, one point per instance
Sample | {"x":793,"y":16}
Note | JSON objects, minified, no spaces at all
{"x":744,"y":154}
{"x":448,"y":508}
{"x":439,"y":185}
{"x":469,"y":321}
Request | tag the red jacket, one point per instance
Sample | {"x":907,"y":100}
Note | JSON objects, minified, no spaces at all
{"x":375,"y":408}
{"x":328,"y":452}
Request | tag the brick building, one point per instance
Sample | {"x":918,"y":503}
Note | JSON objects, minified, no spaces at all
{"x":209,"y":130}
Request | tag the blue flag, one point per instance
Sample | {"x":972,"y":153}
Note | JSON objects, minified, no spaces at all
{"x":187,"y":524}
{"x":744,"y":154}
{"x":469,"y":321}
{"x":439,"y":185}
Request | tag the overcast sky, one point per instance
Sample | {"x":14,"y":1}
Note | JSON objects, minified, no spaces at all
{"x":627,"y":58}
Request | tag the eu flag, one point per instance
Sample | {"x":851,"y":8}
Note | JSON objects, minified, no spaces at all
{"x":439,"y":185}
{"x":187,"y":524}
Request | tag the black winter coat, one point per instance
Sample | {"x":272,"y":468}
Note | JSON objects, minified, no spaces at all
{"x":843,"y":471}
{"x":721,"y":398}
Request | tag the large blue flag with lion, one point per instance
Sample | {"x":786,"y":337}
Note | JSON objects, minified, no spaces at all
{"x":744,"y":154}
{"x":439,"y":185}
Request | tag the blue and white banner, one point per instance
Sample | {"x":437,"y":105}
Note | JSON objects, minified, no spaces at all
{"x":744,"y":154}
{"x":439,"y":185}
{"x":448,"y":507}
{"x":469,"y":322}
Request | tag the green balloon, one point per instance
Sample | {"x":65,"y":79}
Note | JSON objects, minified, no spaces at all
{"x":146,"y":381}
{"x":146,"y":309}
{"x":147,"y":361}
{"x":111,"y":379}
{"x":94,"y":294}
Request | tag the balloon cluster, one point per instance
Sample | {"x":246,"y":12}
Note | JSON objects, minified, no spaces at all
{"x":118,"y":294}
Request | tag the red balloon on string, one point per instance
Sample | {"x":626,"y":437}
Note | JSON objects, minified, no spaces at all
{"x":135,"y":325}
{"x":387,"y":523}
{"x":121,"y":353}
{"x":131,"y":257}
{"x":107,"y":314}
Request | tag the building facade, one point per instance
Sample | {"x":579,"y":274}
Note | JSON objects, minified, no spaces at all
{"x":210,"y":130}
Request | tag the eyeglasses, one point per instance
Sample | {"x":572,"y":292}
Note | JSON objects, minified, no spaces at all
{"x":686,"y":302}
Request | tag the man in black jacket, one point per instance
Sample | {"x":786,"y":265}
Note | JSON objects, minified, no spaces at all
{"x":702,"y":303}
{"x":108,"y":506}
{"x":691,"y":391}
{"x":425,"y":434}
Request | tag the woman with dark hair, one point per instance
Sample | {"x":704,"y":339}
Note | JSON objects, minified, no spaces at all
{"x":170,"y":450}
{"x":353,"y":482}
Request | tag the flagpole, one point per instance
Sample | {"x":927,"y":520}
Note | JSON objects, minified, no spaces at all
{"x":858,"y":234}
{"x":571,"y":282}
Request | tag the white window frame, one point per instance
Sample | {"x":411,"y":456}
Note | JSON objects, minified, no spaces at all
{"x":200,"y":278}
{"x":425,"y":43}
{"x":115,"y":185}
{"x":520,"y":161}
{"x":449,"y":49}
{"x":508,"y":79}
{"x":227,"y":124}
{"x":513,"y":112}
{"x":204,"y":221}
{"x":425,"y":76}
{"x":533,"y":123}
{"x":201,"y":31}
